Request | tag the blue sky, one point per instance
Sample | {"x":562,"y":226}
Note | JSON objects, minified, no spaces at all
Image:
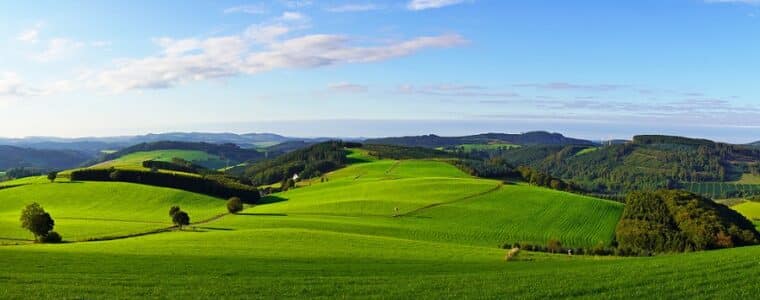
{"x":593,"y":69}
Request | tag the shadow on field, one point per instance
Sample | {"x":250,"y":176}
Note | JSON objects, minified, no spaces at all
{"x":262,"y":215}
{"x":205,"y":228}
{"x":271,"y":199}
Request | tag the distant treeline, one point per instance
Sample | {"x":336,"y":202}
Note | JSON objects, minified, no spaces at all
{"x":649,"y":163}
{"x":178,"y":165}
{"x":401,"y":152}
{"x":309,"y":162}
{"x":213,"y":185}
{"x":225,"y":151}
{"x":677,"y":221}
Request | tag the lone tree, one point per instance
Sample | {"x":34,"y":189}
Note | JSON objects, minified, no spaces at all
{"x":52,"y":176}
{"x":181,"y":219}
{"x":173,"y":211}
{"x":40,"y":223}
{"x":554,"y":246}
{"x":234,"y":205}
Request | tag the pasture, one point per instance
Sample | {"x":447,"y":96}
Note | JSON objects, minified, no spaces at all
{"x":375,"y":229}
{"x":87,"y":210}
{"x":135,"y":160}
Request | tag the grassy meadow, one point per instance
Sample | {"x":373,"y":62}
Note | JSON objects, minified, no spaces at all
{"x":87,"y":210}
{"x":375,"y":229}
{"x":135,"y":160}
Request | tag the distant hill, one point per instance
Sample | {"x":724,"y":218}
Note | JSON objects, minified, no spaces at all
{"x":648,"y":162}
{"x":231,"y":152}
{"x":17,"y":157}
{"x":434,"y":141}
{"x":94,"y":145}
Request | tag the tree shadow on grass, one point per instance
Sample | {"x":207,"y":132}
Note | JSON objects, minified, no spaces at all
{"x":206,"y":228}
{"x":262,"y":214}
{"x":271,"y":199}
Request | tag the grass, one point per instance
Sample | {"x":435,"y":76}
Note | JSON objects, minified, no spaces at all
{"x":135,"y":160}
{"x":749,"y":179}
{"x":340,"y":239}
{"x":587,"y":151}
{"x":85,"y":210}
{"x":751,"y":210}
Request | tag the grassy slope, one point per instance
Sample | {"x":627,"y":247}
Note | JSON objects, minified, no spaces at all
{"x":361,"y":252}
{"x":85,"y":210}
{"x":135,"y":160}
{"x":238,"y":262}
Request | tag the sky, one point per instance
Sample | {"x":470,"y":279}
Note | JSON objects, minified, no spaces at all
{"x":364,"y":68}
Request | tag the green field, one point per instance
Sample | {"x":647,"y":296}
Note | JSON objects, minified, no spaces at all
{"x":135,"y":160}
{"x":721,"y":190}
{"x":375,"y":229}
{"x":749,"y":179}
{"x":751,"y":210}
{"x":86,"y":210}
{"x":587,"y":151}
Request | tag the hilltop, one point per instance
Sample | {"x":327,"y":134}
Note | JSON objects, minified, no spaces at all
{"x":434,"y":141}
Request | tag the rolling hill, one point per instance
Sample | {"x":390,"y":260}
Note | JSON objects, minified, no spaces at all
{"x":648,"y":162}
{"x":340,"y":237}
{"x":15,"y":157}
{"x":89,"y":210}
{"x":434,"y":141}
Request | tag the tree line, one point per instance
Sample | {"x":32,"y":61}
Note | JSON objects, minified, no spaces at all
{"x":212,"y":185}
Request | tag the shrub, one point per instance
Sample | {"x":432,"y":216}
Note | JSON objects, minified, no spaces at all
{"x":51,"y":238}
{"x":180,"y":219}
{"x":234,"y":205}
{"x":52,"y":176}
{"x":174,"y":210}
{"x":554,"y":246}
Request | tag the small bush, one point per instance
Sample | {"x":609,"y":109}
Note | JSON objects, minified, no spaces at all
{"x":51,"y":238}
{"x":234,"y":205}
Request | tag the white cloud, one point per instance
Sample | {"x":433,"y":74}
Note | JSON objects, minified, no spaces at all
{"x":353,"y":7}
{"x":11,"y":85}
{"x":58,"y":48}
{"x":30,"y":35}
{"x":297,"y":3}
{"x":290,"y":16}
{"x":260,"y":48}
{"x":346,"y":87}
{"x":247,"y":9}
{"x":429,"y":4}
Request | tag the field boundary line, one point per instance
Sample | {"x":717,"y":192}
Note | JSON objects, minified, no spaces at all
{"x":433,"y":205}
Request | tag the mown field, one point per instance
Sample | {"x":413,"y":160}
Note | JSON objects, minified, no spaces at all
{"x":135,"y":160}
{"x":376,"y":229}
{"x":86,"y":210}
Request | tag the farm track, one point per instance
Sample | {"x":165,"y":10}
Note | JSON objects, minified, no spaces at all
{"x":429,"y":206}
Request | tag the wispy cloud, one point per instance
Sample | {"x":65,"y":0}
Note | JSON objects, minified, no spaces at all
{"x":260,"y":48}
{"x":30,"y":35}
{"x":558,"y":86}
{"x":11,"y":85}
{"x":346,"y":87}
{"x":252,"y":9}
{"x":430,"y":4}
{"x":454,"y":90}
{"x":353,"y":7}
{"x":58,"y":48}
